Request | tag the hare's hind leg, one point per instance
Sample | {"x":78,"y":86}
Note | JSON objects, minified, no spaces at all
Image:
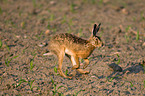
{"x":60,"y":57}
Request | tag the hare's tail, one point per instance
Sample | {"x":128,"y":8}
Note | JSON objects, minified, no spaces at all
{"x":50,"y":53}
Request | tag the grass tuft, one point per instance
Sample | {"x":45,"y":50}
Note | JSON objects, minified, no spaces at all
{"x":76,"y":93}
{"x":51,"y":17}
{"x":118,"y":59}
{"x":7,"y":61}
{"x":137,"y":36}
{"x":66,"y":72}
{"x":109,"y":80}
{"x":144,"y":83}
{"x":55,"y":90}
{"x":1,"y":43}
{"x":29,"y":82}
{"x":23,"y":24}
{"x":72,"y":7}
{"x":142,"y":16}
{"x":31,"y":64}
{"x":8,"y":47}
{"x":1,"y":11}
{"x":131,"y":84}
{"x":34,"y":3}
{"x":19,"y":83}
{"x":55,"y":69}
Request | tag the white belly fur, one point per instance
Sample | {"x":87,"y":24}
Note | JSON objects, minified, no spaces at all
{"x":72,"y":57}
{"x":68,"y":52}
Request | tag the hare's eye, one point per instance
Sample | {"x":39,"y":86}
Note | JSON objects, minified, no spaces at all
{"x":96,"y":39}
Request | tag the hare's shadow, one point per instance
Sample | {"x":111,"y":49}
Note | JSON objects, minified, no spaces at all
{"x":134,"y":68}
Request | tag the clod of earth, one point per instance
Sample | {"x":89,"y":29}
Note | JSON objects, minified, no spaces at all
{"x":115,"y":67}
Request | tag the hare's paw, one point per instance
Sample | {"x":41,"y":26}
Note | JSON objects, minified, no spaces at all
{"x":82,"y":71}
{"x":70,"y":77}
{"x":75,"y":67}
{"x":86,"y":72}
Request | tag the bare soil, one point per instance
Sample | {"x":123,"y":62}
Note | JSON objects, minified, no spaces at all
{"x":26,"y":27}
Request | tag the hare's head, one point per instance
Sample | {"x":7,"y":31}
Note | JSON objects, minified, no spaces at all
{"x":94,"y":39}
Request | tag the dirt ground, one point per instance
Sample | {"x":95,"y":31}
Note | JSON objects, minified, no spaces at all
{"x":26,"y":26}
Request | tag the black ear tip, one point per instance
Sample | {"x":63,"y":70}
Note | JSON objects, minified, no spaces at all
{"x":99,"y":24}
{"x":95,"y":25}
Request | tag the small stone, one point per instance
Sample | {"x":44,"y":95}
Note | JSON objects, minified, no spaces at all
{"x":17,"y":36}
{"x":52,"y":2}
{"x":143,"y":44}
{"x":47,"y":32}
{"x":124,"y":11}
{"x":105,"y":1}
{"x":25,"y":36}
{"x":93,"y":76}
{"x":42,"y":44}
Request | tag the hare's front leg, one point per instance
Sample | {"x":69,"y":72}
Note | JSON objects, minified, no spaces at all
{"x":86,"y":63}
{"x":82,"y":71}
{"x":60,"y":57}
{"x":75,"y":62}
{"x":76,"y":65}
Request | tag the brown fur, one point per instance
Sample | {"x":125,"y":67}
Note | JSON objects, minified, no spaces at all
{"x":75,"y":48}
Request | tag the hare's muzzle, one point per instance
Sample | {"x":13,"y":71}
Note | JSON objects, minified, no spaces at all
{"x":102,"y":45}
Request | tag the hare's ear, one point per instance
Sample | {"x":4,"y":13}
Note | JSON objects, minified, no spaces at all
{"x":96,"y":29}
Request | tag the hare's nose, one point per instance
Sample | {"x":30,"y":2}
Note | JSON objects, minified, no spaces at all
{"x":102,"y":45}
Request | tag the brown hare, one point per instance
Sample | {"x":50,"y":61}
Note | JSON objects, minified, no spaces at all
{"x":74,"y":47}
